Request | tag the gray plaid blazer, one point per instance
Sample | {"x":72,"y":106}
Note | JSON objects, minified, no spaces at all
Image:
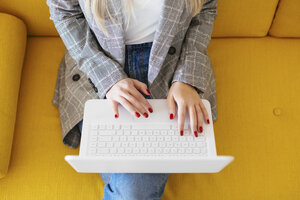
{"x":93,"y":62}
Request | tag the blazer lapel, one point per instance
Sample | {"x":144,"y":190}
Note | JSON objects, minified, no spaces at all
{"x":166,"y":29}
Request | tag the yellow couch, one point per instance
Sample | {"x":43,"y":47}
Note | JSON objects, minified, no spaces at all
{"x":255,"y":52}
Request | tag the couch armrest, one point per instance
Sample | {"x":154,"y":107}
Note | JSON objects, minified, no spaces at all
{"x":13,"y":39}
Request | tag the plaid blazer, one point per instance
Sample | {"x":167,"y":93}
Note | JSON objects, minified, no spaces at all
{"x":93,"y":62}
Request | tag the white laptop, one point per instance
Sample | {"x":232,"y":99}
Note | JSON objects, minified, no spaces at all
{"x":128,"y":144}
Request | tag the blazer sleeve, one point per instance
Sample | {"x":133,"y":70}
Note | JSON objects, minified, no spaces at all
{"x":194,"y":66}
{"x":83,"y":46}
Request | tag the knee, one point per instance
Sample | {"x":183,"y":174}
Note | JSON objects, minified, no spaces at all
{"x":136,"y":186}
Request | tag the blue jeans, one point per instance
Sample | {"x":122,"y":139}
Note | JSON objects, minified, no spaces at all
{"x":134,"y":186}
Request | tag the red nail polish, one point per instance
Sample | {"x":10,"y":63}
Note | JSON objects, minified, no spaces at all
{"x":207,"y":121}
{"x":181,"y":132}
{"x":200,"y":129}
{"x":171,"y":116}
{"x":146,"y":115}
{"x":116,"y":116}
{"x":196,"y":134}
{"x":148,"y":91}
{"x":137,"y":114}
{"x":150,"y":110}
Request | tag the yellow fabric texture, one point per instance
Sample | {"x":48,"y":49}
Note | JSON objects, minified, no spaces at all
{"x":245,"y":18}
{"x":235,"y":18}
{"x":257,"y":83}
{"x":12,"y":50}
{"x":287,"y":19}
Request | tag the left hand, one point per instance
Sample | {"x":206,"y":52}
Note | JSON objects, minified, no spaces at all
{"x":185,"y":96}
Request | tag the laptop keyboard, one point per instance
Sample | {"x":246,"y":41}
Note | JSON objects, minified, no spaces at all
{"x":144,"y":140}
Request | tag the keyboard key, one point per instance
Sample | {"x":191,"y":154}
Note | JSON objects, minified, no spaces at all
{"x":128,"y":150}
{"x":136,"y":150}
{"x":102,"y":126}
{"x":155,"y":144}
{"x":109,"y":126}
{"x":139,"y":144}
{"x":134,"y":132}
{"x":151,"y":150}
{"x":132,"y":144}
{"x":150,"y":126}
{"x":121,"y":150}
{"x":143,"y":150}
{"x":101,"y":144}
{"x":123,"y":138}
{"x":119,"y":132}
{"x":162,"y":144}
{"x":167,"y":138}
{"x":152,"y":138}
{"x":142,"y":132}
{"x":138,"y":138}
{"x":158,"y":150}
{"x":102,"y":150}
{"x":147,"y":144}
{"x":124,"y":144}
{"x":105,"y":138}
{"x":127,"y":132}
{"x":126,"y":126}
{"x":149,"y":132}
{"x":156,"y":132}
{"x":113,"y":150}
{"x":145,"y":138}
{"x":173,"y":150}
{"x":169,"y":144}
{"x":109,"y":144}
{"x":115,"y":138}
{"x":130,"y":138}
{"x":160,"y":138}
{"x":166,"y":150}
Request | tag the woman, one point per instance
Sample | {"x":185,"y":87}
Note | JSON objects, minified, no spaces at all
{"x":128,"y":52}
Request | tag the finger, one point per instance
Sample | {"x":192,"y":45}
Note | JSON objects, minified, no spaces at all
{"x":193,"y":120}
{"x":128,"y":106}
{"x":133,"y":101}
{"x":181,"y":116}
{"x":141,"y":86}
{"x":199,"y":118}
{"x":206,"y":117}
{"x":115,"y":108}
{"x":141,"y":99}
{"x":171,"y":106}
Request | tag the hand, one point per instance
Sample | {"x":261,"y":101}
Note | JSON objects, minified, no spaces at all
{"x":125,"y":92}
{"x":184,"y":95}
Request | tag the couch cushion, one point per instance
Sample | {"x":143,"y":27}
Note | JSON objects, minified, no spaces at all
{"x":287,"y":19}
{"x":235,"y":18}
{"x":12,"y":50}
{"x":244,"y":18}
{"x":257,"y":81}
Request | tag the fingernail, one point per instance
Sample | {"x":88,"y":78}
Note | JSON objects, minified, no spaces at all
{"x":145,"y":114}
{"x":137,"y":114}
{"x":148,"y":91}
{"x":171,"y":116}
{"x":181,"y":132}
{"x":196,"y":134}
{"x":150,"y":110}
{"x":207,"y":121}
{"x":200,"y":129}
{"x":116,"y":116}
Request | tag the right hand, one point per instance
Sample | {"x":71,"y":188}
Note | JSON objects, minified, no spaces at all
{"x":125,"y":92}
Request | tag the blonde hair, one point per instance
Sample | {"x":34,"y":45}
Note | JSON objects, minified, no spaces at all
{"x":99,"y":7}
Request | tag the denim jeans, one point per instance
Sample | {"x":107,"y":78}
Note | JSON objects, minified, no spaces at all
{"x":134,"y":186}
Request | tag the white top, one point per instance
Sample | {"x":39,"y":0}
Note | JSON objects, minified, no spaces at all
{"x":143,"y":23}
